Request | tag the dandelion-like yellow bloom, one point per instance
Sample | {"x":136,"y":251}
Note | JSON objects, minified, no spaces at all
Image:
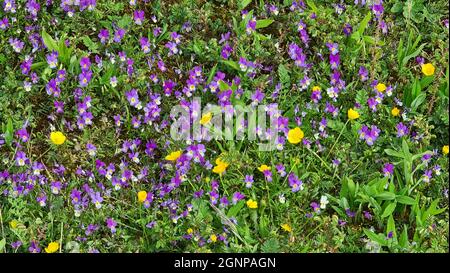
{"x":52,"y":247}
{"x":295,"y":135}
{"x":206,"y":118}
{"x":173,"y":156}
{"x":428,"y":69}
{"x":316,"y":88}
{"x":252,"y":204}
{"x":381,"y":87}
{"x":190,"y":231}
{"x":213,"y":238}
{"x":445,"y":149}
{"x":395,"y":112}
{"x":286,"y":227}
{"x":142,"y":195}
{"x":352,"y":114}
{"x":263,"y":168}
{"x":57,"y":138}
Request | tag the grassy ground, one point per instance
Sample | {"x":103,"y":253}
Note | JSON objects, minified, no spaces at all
{"x":341,"y":188}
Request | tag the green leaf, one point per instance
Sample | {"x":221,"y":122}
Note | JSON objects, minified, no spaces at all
{"x":244,"y":3}
{"x":389,"y":210}
{"x":312,"y":6}
{"x":397,"y":7}
{"x":403,"y":240}
{"x":393,"y":153}
{"x":418,"y":101}
{"x":90,"y":44}
{"x":425,"y":81}
{"x":391,"y":226}
{"x":364,"y":22}
{"x":232,"y":64}
{"x":385,"y":196}
{"x":234,"y":210}
{"x":283,"y":73}
{"x":271,"y":246}
{"x":263,"y":23}
{"x":2,"y":244}
{"x":376,"y":238}
{"x":403,"y":199}
{"x":49,"y":42}
{"x":125,"y":21}
{"x":9,"y":134}
{"x":223,"y":86}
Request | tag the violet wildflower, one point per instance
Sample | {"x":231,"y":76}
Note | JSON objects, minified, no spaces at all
{"x":295,"y":183}
{"x":388,"y":169}
{"x":111,"y":224}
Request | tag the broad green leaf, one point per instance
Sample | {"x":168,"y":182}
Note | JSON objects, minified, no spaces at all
{"x":232,"y":64}
{"x":234,"y":210}
{"x":364,"y":22}
{"x":391,"y":226}
{"x":403,"y":240}
{"x":376,"y":238}
{"x":389,"y":209}
{"x":402,"y":199}
{"x":263,"y":23}
{"x":49,"y":42}
{"x":223,"y":86}
{"x":385,"y":196}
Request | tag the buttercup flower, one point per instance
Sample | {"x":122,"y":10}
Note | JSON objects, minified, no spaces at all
{"x":252,"y":204}
{"x":445,"y":149}
{"x":206,"y":118}
{"x":428,"y":69}
{"x":295,"y":135}
{"x":142,"y":195}
{"x":352,"y":114}
{"x":263,"y":168}
{"x":57,"y":138}
{"x":220,"y":167}
{"x":395,"y":111}
{"x":381,"y":87}
{"x":173,"y":156}
{"x":52,"y":247}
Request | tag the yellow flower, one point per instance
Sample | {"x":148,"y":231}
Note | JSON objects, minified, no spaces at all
{"x":381,"y":87}
{"x":395,"y":112}
{"x":206,"y":118}
{"x":219,"y":169}
{"x":445,"y":149}
{"x":352,"y":114}
{"x":142,"y":195}
{"x":13,"y":224}
{"x":295,"y":135}
{"x":316,"y":88}
{"x":213,"y":238}
{"x":57,"y":138}
{"x":286,"y":227}
{"x":220,"y":162}
{"x":190,"y":230}
{"x":221,"y":166}
{"x":252,"y":204}
{"x":173,"y":156}
{"x":52,"y":247}
{"x":428,"y":69}
{"x":263,"y":168}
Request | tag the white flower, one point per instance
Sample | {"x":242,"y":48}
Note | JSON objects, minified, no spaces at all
{"x":323,"y":202}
